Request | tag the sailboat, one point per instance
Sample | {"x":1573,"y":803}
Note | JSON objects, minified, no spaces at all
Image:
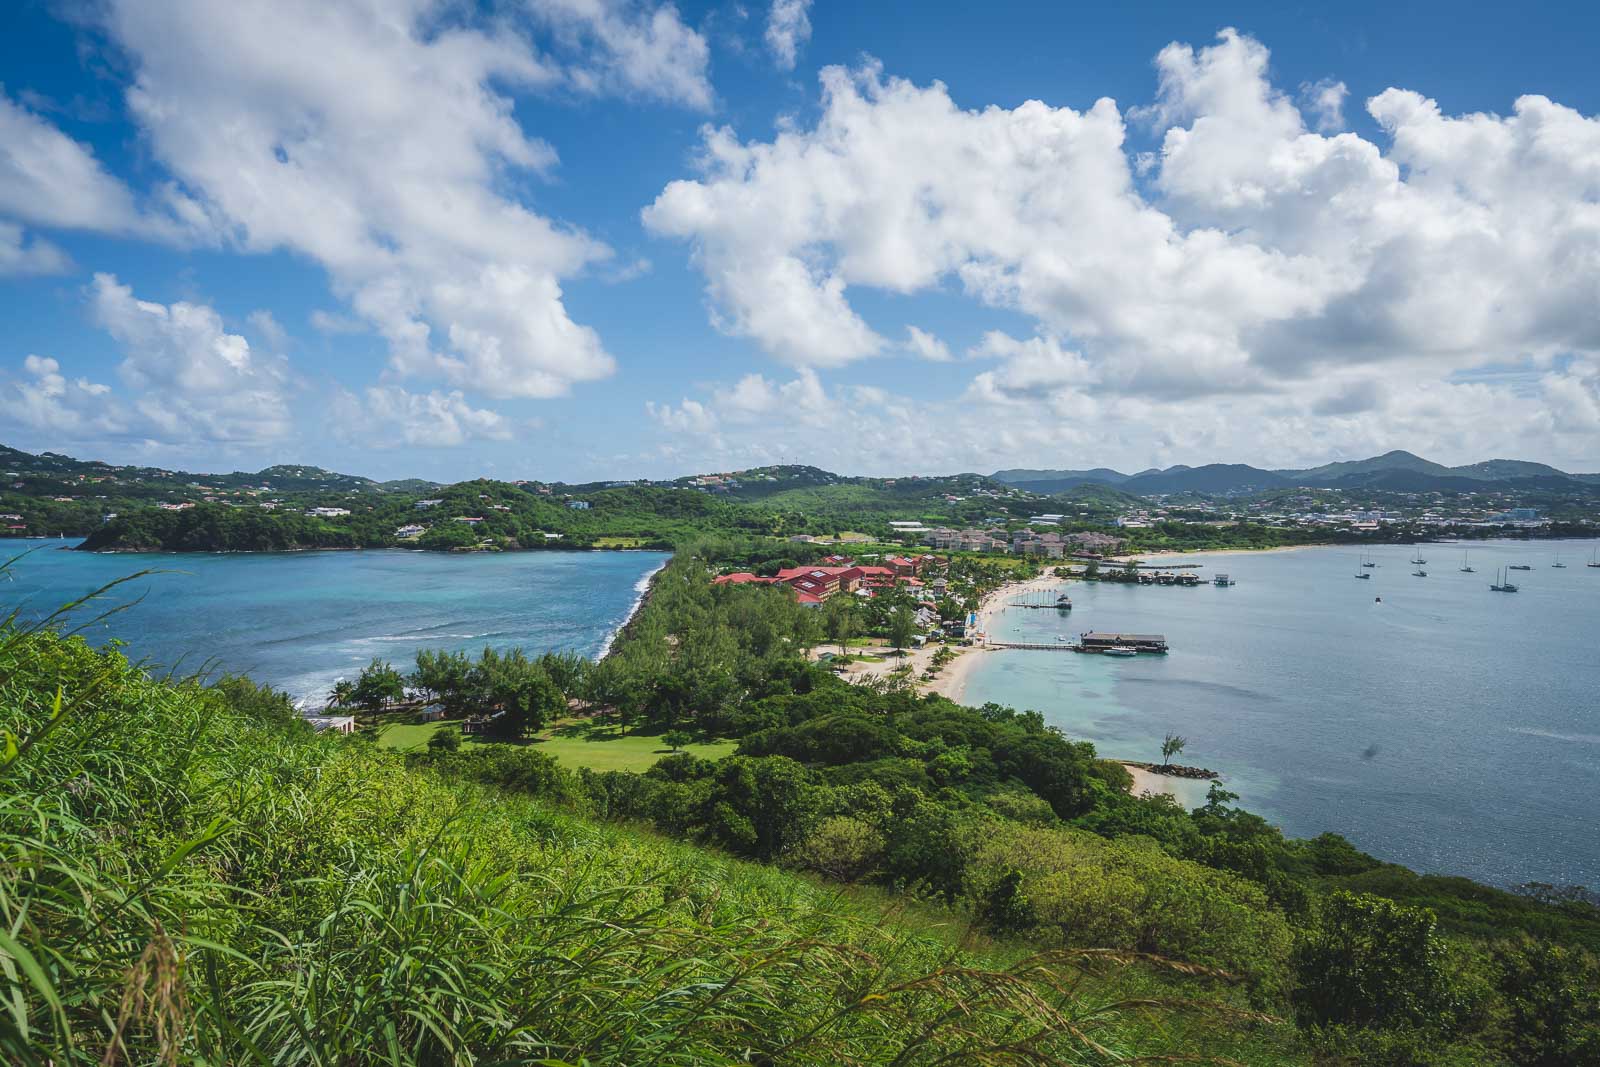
{"x":1465,"y":567}
{"x":1419,"y":573}
{"x":1365,"y":562}
{"x":1419,"y":561}
{"x":1502,"y":585}
{"x":1558,"y":564}
{"x":1594,"y":559}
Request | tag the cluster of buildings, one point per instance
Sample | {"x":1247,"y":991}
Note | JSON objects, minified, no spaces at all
{"x":814,"y":586}
{"x":1047,"y":544}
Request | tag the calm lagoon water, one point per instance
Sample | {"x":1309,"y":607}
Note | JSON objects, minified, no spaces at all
{"x":302,"y":620}
{"x":1448,"y":728}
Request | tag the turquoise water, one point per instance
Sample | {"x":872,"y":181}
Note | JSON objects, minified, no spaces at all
{"x":1448,"y":728}
{"x":302,"y":620}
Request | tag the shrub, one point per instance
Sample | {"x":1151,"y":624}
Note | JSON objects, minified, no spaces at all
{"x":1370,"y":962}
{"x":842,"y":847}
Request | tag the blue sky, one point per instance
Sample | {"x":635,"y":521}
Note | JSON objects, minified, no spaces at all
{"x":603,"y":238}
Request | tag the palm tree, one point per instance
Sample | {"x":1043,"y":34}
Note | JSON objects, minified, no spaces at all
{"x":343,"y":694}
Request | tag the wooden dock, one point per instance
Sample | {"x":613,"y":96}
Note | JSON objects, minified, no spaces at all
{"x":1057,"y":646}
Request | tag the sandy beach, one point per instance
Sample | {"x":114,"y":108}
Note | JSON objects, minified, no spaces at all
{"x":952,"y":678}
{"x":1152,"y":557}
{"x":1190,"y":792}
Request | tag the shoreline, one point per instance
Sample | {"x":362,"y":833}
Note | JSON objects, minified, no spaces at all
{"x":645,"y":586}
{"x":952,"y":681}
{"x":1172,"y":553}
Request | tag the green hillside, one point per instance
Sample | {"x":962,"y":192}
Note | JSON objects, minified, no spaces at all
{"x":187,"y":875}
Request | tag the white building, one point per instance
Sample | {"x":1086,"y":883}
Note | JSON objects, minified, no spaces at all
{"x":339,"y":724}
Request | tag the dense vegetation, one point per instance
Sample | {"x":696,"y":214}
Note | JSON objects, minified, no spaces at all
{"x":187,"y":874}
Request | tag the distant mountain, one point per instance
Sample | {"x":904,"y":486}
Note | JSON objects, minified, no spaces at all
{"x":289,"y":477}
{"x":1063,"y":479}
{"x":1496,"y":470}
{"x":1389,"y":461}
{"x":1211,"y":478}
{"x":1396,"y":471}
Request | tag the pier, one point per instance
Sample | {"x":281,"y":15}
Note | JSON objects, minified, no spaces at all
{"x":1058,"y":646}
{"x":1090,"y":642}
{"x":1049,"y":598}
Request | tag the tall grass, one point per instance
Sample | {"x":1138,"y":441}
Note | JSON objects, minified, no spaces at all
{"x":180,"y":883}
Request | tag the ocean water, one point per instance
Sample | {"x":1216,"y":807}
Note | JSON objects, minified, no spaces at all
{"x":301,"y":621}
{"x":1448,"y":728}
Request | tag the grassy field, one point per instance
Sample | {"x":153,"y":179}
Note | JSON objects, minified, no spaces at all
{"x":403,"y":735}
{"x":618,"y":542}
{"x":610,"y":752}
{"x":574,"y":744}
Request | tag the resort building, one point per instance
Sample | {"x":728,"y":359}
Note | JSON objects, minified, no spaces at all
{"x":339,"y":724}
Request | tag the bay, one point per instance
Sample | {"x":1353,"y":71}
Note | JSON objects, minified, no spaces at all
{"x":1449,"y":728}
{"x":302,"y":620}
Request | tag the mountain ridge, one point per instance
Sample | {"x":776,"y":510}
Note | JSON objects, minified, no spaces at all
{"x":1396,"y":470}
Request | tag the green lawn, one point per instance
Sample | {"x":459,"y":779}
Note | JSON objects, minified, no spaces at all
{"x":609,"y":752}
{"x":572,"y":745}
{"x":404,"y":735}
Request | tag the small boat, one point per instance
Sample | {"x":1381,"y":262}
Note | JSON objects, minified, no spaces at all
{"x":1502,"y":586}
{"x":1558,"y":565}
{"x":1466,"y":568}
{"x":1594,"y":559}
{"x":1121,"y":650}
{"x":1419,"y":573}
{"x":1364,"y":576}
{"x":1221,"y":579}
{"x":1365,"y":562}
{"x":1419,"y":561}
{"x":1060,"y":640}
{"x":1519,"y":567}
{"x":1377,"y":600}
{"x":1063,"y":603}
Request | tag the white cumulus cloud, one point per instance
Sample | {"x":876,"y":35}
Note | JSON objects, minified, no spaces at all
{"x":788,"y":30}
{"x":375,"y":138}
{"x":1264,"y":267}
{"x":388,"y":416}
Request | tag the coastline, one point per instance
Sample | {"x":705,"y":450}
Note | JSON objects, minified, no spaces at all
{"x":952,"y":681}
{"x":645,"y":586}
{"x":1200,"y":552}
{"x":1190,"y":792}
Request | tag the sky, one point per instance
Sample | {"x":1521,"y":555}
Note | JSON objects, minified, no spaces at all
{"x":585,"y":239}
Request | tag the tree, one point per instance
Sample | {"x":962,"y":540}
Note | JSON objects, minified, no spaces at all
{"x":1552,"y":997}
{"x":443,"y":676}
{"x":378,"y":685}
{"x":676,"y":739}
{"x":343,"y":694}
{"x":1370,"y":962}
{"x":1170,"y":747}
{"x":839,"y":621}
{"x":519,"y":689}
{"x":902,"y":625}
